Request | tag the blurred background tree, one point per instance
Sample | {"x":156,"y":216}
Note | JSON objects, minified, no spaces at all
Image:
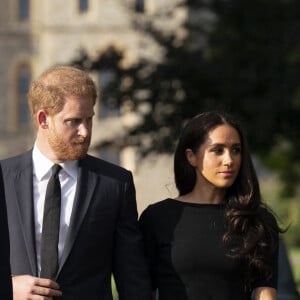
{"x":238,"y":56}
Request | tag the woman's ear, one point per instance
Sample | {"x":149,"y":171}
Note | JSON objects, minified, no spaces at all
{"x":191,"y":157}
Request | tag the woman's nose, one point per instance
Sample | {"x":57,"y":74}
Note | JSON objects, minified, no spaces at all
{"x":228,"y":158}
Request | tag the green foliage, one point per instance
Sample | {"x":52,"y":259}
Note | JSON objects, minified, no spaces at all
{"x":244,"y":59}
{"x":295,"y":262}
{"x":287,"y":209}
{"x":114,"y":289}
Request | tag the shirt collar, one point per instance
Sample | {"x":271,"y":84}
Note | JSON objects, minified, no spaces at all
{"x":42,"y":165}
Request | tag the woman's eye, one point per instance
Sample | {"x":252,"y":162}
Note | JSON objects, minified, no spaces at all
{"x":236,"y":150}
{"x":217,"y":150}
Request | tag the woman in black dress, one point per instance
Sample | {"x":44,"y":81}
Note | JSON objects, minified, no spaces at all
{"x":216,"y":240}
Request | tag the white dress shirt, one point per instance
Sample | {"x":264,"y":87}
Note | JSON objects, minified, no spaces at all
{"x":68,"y":181}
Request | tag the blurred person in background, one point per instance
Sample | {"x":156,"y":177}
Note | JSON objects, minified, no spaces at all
{"x":286,"y":289}
{"x":216,"y":240}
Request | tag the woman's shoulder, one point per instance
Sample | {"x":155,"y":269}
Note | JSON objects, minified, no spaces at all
{"x":159,"y":210}
{"x":159,"y":206}
{"x":155,"y":214}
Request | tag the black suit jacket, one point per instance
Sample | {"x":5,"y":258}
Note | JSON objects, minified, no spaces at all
{"x":5,"y":275}
{"x":103,"y":236}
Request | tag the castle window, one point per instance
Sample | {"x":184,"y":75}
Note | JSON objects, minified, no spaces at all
{"x":109,"y":107}
{"x":23,"y":81}
{"x":110,"y":153}
{"x":139,"y":6}
{"x":24,"y":10}
{"x":83,"y":6}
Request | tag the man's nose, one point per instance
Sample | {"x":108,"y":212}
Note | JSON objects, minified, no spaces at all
{"x":84,"y":129}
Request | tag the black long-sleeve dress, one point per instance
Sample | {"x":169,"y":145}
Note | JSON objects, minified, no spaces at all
{"x":186,"y":255}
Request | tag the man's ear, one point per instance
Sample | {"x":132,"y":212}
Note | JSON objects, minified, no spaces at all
{"x":191,"y":157}
{"x":42,"y":119}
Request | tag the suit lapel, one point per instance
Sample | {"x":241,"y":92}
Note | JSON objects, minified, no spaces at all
{"x":24,"y":199}
{"x":87,"y":181}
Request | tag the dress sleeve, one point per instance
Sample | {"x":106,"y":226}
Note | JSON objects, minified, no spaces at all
{"x":147,"y":227}
{"x":272,"y":280}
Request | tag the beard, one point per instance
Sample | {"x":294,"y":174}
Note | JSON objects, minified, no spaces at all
{"x":74,"y":149}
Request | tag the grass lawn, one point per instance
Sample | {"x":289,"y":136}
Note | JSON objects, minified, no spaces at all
{"x":294,"y":255}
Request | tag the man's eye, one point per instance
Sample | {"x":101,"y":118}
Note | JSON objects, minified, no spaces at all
{"x":73,"y":122}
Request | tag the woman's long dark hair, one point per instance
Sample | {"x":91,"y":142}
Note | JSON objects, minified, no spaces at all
{"x":252,"y":230}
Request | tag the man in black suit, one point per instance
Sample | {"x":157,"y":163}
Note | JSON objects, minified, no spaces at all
{"x":98,"y":230}
{"x":5,"y":278}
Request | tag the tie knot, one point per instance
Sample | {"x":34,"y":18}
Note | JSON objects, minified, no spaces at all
{"x":55,"y":169}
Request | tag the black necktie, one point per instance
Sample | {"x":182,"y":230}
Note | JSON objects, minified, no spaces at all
{"x":50,"y":229}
